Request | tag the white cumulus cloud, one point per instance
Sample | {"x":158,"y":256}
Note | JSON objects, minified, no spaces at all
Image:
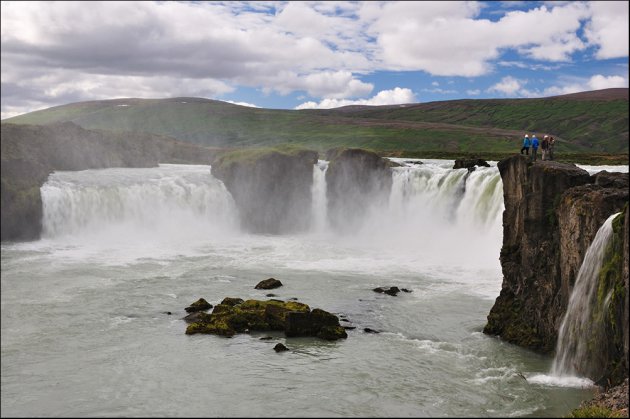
{"x":508,"y":86}
{"x":608,"y":28}
{"x":394,"y":96}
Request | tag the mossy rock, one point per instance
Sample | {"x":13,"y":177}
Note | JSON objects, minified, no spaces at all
{"x":199,"y":305}
{"x":294,"y":318}
{"x":197,"y":316}
{"x":332,"y":333}
{"x":215,"y":328}
{"x":232,"y":301}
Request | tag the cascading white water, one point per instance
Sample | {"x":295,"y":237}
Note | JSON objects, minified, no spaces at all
{"x":171,"y":199}
{"x":443,"y":215}
{"x":318,"y":191}
{"x":580,"y":324}
{"x":436,"y":212}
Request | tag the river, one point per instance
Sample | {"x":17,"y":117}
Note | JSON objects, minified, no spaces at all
{"x":85,"y":329}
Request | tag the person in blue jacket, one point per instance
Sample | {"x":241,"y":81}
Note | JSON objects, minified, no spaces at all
{"x":526,"y":145}
{"x":535,"y":144}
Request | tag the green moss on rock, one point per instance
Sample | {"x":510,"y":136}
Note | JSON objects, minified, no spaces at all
{"x":258,"y":315}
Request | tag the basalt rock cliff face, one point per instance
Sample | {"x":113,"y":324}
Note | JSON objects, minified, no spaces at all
{"x":552,"y":213}
{"x":30,"y":153}
{"x":271,"y":188}
{"x":356,"y":180}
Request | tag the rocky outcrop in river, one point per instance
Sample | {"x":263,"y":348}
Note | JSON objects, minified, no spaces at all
{"x":234,"y":316}
{"x":271,"y":188}
{"x":552,"y":213}
{"x":357,"y":180}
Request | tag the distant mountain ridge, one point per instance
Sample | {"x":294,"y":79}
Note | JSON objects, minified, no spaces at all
{"x":585,"y":122}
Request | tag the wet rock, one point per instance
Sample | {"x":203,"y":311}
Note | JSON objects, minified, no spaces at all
{"x":266,"y":338}
{"x":349,"y":327}
{"x":332,"y":333}
{"x":368,"y":330}
{"x":167,"y":313}
{"x":294,"y":318}
{"x":393,"y":291}
{"x":232,"y":301}
{"x":197,"y":316}
{"x":270,"y":295}
{"x":298,"y":324}
{"x":280,"y":348}
{"x":268,"y":284}
{"x":405,"y":290}
{"x":199,"y":305}
{"x":469,"y":164}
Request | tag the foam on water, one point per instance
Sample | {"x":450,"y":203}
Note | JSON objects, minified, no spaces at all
{"x":560,"y":381}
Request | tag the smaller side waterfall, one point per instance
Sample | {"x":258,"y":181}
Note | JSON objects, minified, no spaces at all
{"x":170,"y":199}
{"x":582,"y":327}
{"x":318,"y":192}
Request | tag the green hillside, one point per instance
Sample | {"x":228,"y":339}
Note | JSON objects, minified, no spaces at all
{"x":587,"y":124}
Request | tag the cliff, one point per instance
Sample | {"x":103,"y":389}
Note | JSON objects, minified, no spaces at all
{"x":30,"y":153}
{"x":552,"y":213}
{"x":271,"y":187}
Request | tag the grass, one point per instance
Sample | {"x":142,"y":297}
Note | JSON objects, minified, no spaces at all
{"x":464,"y":126}
{"x":594,"y":412}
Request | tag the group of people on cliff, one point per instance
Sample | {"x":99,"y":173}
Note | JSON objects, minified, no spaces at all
{"x":547,"y":145}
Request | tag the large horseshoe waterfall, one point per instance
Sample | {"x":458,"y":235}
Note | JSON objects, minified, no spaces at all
{"x":93,"y":312}
{"x":452,"y":206}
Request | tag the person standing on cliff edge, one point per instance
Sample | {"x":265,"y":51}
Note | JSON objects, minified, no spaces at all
{"x":526,"y":145}
{"x":552,"y":143}
{"x":534,"y":147}
{"x":545,"y":148}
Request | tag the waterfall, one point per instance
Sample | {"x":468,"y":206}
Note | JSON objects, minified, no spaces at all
{"x":445,"y":216}
{"x":582,"y":323}
{"x":171,"y":199}
{"x":318,"y":191}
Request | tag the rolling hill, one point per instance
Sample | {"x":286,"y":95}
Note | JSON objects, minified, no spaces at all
{"x":587,"y":122}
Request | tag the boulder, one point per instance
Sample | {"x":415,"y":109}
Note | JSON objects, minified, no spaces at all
{"x":232,"y":301}
{"x":199,"y":305}
{"x":268,"y":284}
{"x":280,"y":348}
{"x":393,"y":291}
{"x":469,"y":164}
{"x":197,"y":316}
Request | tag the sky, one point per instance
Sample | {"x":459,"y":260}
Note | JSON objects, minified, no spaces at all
{"x":306,"y":55}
